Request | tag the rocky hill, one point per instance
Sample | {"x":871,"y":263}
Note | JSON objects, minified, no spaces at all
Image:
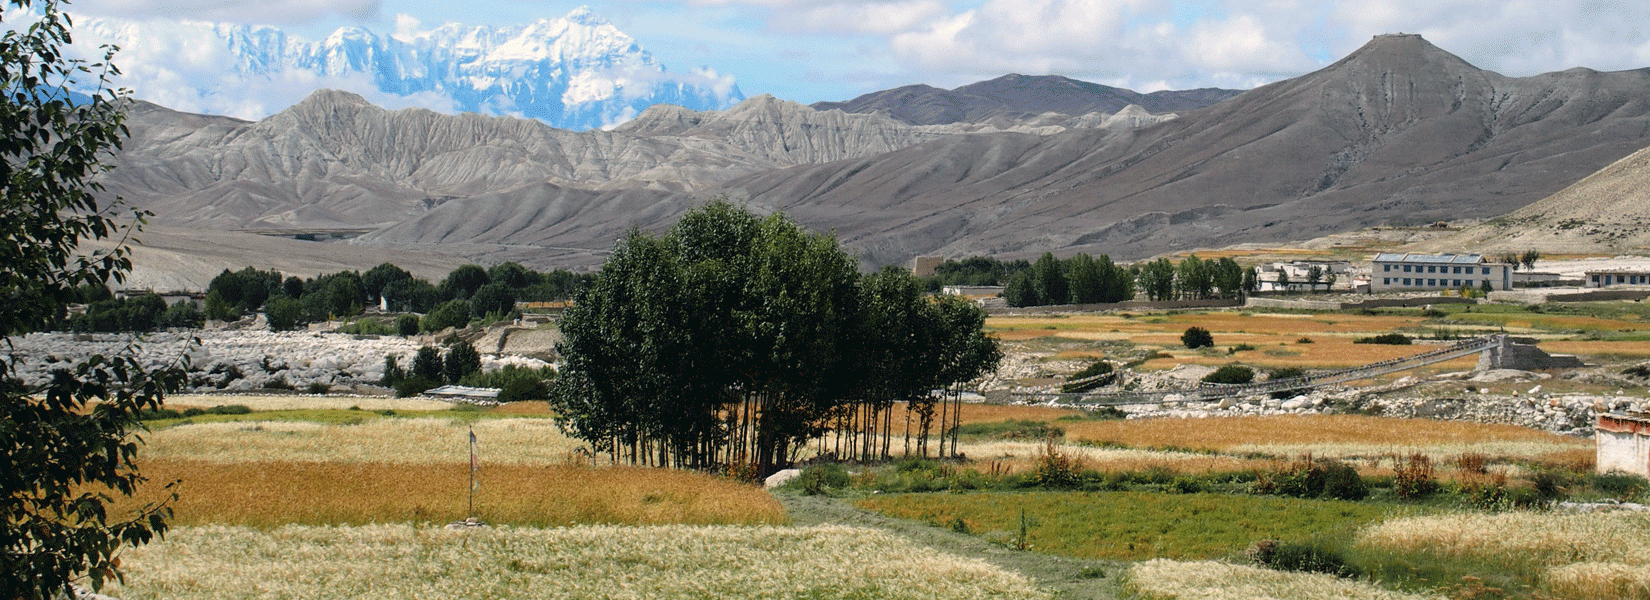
{"x":1607,"y":212}
{"x":1399,"y":131}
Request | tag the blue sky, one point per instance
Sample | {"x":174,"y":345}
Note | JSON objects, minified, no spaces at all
{"x":812,"y":50}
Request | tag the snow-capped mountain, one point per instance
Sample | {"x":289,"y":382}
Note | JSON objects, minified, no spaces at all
{"x":577,"y":72}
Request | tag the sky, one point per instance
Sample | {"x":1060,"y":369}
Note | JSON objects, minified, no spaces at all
{"x":819,"y":50}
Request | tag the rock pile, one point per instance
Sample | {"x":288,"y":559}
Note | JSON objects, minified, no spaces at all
{"x":241,"y":359}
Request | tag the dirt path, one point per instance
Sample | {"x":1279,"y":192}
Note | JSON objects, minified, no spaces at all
{"x":1063,"y":576}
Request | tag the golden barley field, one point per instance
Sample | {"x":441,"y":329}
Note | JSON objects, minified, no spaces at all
{"x":1211,"y":580}
{"x":397,"y":440}
{"x":1585,"y":556}
{"x":676,"y":561}
{"x":304,"y":402}
{"x":273,"y":493}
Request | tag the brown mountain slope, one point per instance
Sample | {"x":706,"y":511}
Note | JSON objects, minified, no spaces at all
{"x":1607,"y":212}
{"x":1399,"y":131}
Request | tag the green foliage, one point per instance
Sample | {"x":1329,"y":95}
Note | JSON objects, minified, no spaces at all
{"x":393,"y":373}
{"x":69,"y":444}
{"x":462,"y":359}
{"x":1102,"y":372}
{"x":1307,"y":478}
{"x":1282,"y":374}
{"x":1414,"y":477}
{"x":414,"y":386}
{"x":453,"y":313}
{"x":1055,"y":469}
{"x":427,"y":365}
{"x":316,"y":387}
{"x":1197,"y":337}
{"x":493,"y":299}
{"x":284,"y":314}
{"x":820,"y":479}
{"x":377,"y":278}
{"x":503,"y":377}
{"x":367,"y":327}
{"x":677,"y":332}
{"x":1302,"y":557}
{"x":1618,"y":485}
{"x":406,"y":325}
{"x":463,"y":282}
{"x":1231,"y":374}
{"x":524,"y":390}
{"x":1391,"y":339}
{"x":182,"y":315}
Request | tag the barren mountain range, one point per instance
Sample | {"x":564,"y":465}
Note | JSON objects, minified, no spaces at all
{"x":1399,"y":131}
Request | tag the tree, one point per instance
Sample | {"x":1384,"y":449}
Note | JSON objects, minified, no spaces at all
{"x":1193,"y":278}
{"x":283,"y":313}
{"x":1084,"y":279}
{"x":66,"y":440}
{"x":427,"y":365}
{"x":1018,"y":293}
{"x":1197,"y":337}
{"x":463,"y":282}
{"x":1157,"y":279}
{"x":462,"y":359}
{"x":1228,"y":276}
{"x":452,"y":313}
{"x":493,"y":299}
{"x":1048,"y":281}
{"x":1528,"y":259}
{"x":375,"y":279}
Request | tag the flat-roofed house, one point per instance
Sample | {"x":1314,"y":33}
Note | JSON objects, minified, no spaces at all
{"x":1610,"y":277}
{"x":1392,"y":272}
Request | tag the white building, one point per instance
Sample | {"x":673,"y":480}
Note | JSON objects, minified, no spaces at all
{"x":1391,"y":272}
{"x":1294,"y":276}
{"x":1623,"y":443}
{"x":1610,"y":277}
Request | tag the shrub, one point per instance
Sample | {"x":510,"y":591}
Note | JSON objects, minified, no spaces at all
{"x":1239,"y":348}
{"x":1236,"y":374}
{"x":1055,"y":469}
{"x":1390,"y":339}
{"x":1619,"y":485}
{"x":1281,"y":374}
{"x":1300,"y":557}
{"x":1197,"y":337}
{"x":453,"y":313}
{"x":1102,"y":371}
{"x":819,"y":479}
{"x":1640,"y":371}
{"x":523,"y":390}
{"x":462,"y":360}
{"x":413,"y":386}
{"x":406,"y":325}
{"x":1308,"y":478}
{"x":230,"y":409}
{"x":366,"y":327}
{"x":1413,"y":478}
{"x":316,"y":387}
{"x":278,"y":383}
{"x":1304,"y":340}
{"x":1098,"y":367}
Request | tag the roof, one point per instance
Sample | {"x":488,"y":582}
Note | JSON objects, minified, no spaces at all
{"x":1411,"y":257}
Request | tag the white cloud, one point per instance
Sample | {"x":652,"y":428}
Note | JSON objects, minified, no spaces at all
{"x":252,"y":12}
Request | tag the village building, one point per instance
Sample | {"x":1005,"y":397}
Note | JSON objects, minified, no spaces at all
{"x":1613,"y":277}
{"x":1392,"y":272}
{"x":1296,"y":276}
{"x":1623,"y":442}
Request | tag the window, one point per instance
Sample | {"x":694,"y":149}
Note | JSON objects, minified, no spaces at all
{"x":1386,"y":281}
{"x":1406,"y":268}
{"x":1406,"y":281}
{"x":1486,"y":270}
{"x":1432,"y":282}
{"x":1386,"y":267}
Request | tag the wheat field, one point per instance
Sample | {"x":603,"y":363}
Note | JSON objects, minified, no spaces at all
{"x":1163,"y":579}
{"x":404,"y":561}
{"x":1586,"y":556}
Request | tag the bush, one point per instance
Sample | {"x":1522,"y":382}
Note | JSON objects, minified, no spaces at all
{"x":230,"y":409}
{"x":523,"y":390}
{"x":406,"y":325}
{"x":1413,"y":478}
{"x":1234,"y":374}
{"x":453,"y":313}
{"x":1306,"y":478}
{"x":279,"y":383}
{"x":1281,"y":374}
{"x":1300,"y":557}
{"x":819,"y":479}
{"x":316,"y":387}
{"x":1239,"y":348}
{"x":366,"y":327}
{"x":413,"y":386}
{"x":1197,"y":337}
{"x":1055,"y":469}
{"x":1619,"y":485}
{"x":1390,"y":339}
{"x":462,"y":360}
{"x":283,"y":313}
{"x":1304,"y":340}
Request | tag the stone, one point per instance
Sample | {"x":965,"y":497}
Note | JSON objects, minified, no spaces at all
{"x":780,"y":478}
